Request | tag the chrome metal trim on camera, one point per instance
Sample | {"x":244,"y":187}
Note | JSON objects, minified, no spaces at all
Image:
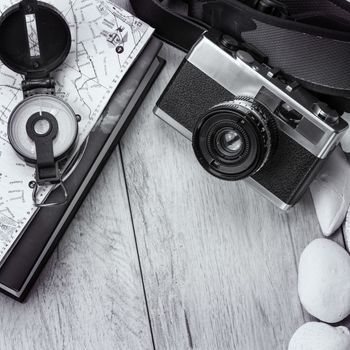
{"x":173,"y":123}
{"x":267,"y":194}
{"x":243,"y":79}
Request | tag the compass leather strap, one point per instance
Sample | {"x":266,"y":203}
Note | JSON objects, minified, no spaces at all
{"x":46,"y":165}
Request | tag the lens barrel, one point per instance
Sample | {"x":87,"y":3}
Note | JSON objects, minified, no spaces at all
{"x":234,"y":140}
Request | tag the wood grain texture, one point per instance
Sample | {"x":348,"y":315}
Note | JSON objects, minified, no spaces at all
{"x":90,"y":295}
{"x":219,"y":262}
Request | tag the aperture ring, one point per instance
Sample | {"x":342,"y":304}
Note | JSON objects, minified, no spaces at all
{"x":261,"y":116}
{"x":256,"y":137}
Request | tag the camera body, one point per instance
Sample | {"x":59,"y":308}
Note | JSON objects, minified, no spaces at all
{"x":248,"y":120}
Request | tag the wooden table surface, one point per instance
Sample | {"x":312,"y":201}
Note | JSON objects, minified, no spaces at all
{"x":163,"y":256}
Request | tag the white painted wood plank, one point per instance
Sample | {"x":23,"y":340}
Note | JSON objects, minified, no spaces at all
{"x":219,"y":262}
{"x":90,"y":295}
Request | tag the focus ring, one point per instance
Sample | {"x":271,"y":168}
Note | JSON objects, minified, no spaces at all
{"x":264,"y":120}
{"x":255,"y":135}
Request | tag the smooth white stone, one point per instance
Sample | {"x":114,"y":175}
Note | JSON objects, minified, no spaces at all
{"x":346,"y":231}
{"x":320,"y":336}
{"x":324,"y":280}
{"x":345,"y":143}
{"x":331,"y":192}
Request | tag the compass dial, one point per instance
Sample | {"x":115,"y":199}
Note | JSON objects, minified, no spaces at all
{"x":42,"y":105}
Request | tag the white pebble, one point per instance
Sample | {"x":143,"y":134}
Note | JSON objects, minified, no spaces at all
{"x":320,"y":336}
{"x":346,"y":231}
{"x":331,"y":192}
{"x":324,"y":280}
{"x":345,"y":143}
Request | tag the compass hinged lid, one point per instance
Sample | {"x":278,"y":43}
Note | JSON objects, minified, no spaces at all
{"x":35,"y":38}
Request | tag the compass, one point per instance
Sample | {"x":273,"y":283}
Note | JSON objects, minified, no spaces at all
{"x":42,"y":119}
{"x":35,"y":39}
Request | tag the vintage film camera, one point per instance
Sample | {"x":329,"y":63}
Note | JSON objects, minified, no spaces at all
{"x":247,"y":120}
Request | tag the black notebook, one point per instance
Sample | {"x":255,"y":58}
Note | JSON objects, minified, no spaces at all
{"x":35,"y":245}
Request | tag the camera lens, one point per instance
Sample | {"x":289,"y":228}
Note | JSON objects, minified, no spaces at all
{"x":234,"y":140}
{"x":229,"y":142}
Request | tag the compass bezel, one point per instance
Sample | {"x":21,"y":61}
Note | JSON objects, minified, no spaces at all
{"x":70,"y":146}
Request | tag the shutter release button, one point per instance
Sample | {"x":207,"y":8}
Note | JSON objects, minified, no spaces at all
{"x":245,"y":57}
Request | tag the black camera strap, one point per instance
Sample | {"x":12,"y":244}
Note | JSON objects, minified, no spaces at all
{"x":308,"y":40}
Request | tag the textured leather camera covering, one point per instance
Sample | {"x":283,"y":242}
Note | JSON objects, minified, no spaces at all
{"x":290,"y":171}
{"x":191,"y":93}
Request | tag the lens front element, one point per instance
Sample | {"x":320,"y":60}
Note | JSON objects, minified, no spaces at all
{"x":229,"y":142}
{"x":235,"y":139}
